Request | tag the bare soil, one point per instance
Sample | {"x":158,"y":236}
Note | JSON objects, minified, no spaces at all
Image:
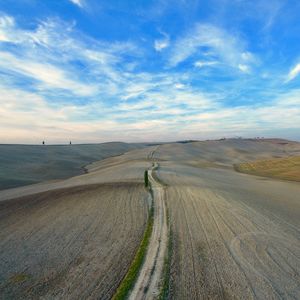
{"x":73,"y":243}
{"x":236,"y":236}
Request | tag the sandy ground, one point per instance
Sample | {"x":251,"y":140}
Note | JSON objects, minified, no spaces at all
{"x":148,"y":282}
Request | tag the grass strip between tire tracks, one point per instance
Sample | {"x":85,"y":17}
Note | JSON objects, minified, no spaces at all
{"x":132,"y":274}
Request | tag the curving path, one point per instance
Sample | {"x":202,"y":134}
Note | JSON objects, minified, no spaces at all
{"x":147,"y":285}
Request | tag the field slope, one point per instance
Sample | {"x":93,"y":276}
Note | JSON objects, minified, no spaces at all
{"x":75,"y":238}
{"x":287,"y":168}
{"x":27,"y":164}
{"x":235,"y":236}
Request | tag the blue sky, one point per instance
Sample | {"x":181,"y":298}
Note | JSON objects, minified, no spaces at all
{"x":95,"y":71}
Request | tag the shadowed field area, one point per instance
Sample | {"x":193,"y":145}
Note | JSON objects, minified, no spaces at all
{"x":281,"y":168}
{"x":27,"y":164}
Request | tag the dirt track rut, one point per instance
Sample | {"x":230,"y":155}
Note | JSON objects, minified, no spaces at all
{"x":148,"y":283}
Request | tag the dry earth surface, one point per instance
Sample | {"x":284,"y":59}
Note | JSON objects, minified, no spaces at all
{"x":235,"y":236}
{"x":75,"y":238}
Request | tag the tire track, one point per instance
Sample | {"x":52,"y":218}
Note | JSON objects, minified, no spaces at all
{"x":148,"y":282}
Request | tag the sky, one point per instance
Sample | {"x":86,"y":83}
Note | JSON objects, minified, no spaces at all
{"x":142,"y":71}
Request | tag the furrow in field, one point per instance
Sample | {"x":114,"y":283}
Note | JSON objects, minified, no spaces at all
{"x":70,"y":244}
{"x":243,"y":253}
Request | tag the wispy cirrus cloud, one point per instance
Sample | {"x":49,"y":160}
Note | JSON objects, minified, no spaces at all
{"x":159,"y":114}
{"x":294,"y":72}
{"x":162,"y":43}
{"x":79,"y":3}
{"x":159,"y":45}
{"x":46,"y":75}
{"x":209,"y":41}
{"x":51,"y":55}
{"x":6,"y":23}
{"x":202,"y":64}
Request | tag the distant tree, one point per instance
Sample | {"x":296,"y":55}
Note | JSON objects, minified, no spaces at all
{"x":146,"y":180}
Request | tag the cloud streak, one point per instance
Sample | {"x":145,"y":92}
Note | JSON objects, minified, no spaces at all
{"x":77,"y":2}
{"x":294,"y":72}
{"x":47,"y":75}
{"x":206,"y":40}
{"x":52,"y":56}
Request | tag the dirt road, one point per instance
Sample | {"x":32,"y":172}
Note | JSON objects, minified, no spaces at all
{"x":147,"y":285}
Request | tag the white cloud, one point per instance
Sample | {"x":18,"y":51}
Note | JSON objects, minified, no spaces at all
{"x":77,"y":2}
{"x":162,"y":43}
{"x":159,"y":45}
{"x":210,"y":41}
{"x":244,"y":68}
{"x":248,"y":57}
{"x":33,"y":119}
{"x":48,"y":52}
{"x":179,"y":86}
{"x":294,"y":72}
{"x":208,"y":119}
{"x":158,"y":105}
{"x":50,"y":76}
{"x":201,"y":64}
{"x":6,"y":24}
